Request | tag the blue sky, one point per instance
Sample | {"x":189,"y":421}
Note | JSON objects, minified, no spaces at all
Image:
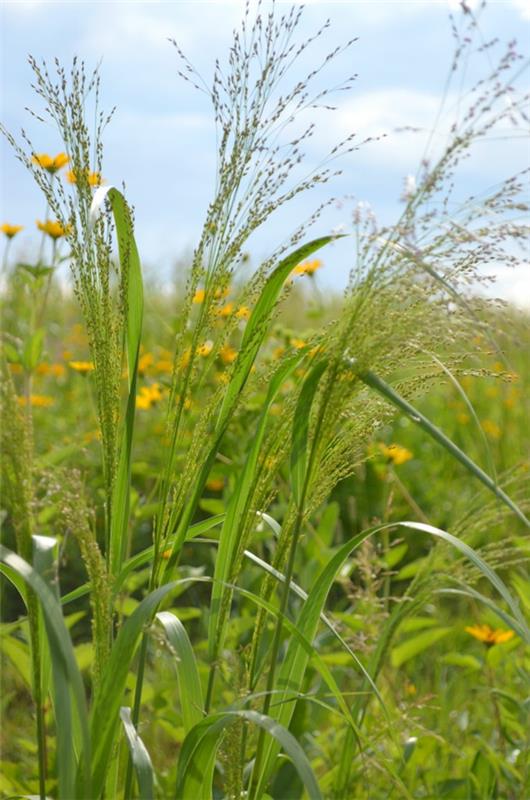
{"x":161,"y":140}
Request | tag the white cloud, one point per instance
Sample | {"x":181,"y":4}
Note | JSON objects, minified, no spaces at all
{"x":523,"y":7}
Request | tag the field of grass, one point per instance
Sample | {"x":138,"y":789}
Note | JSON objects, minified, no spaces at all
{"x":260,"y":541}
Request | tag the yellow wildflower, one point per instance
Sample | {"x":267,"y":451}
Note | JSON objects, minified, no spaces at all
{"x":51,"y":164}
{"x":53,"y":229}
{"x":219,"y":294}
{"x":10,"y":230}
{"x":488,"y":635}
{"x":144,"y":362}
{"x":38,"y":400}
{"x":215,"y":484}
{"x":227,"y":354}
{"x":298,"y":343}
{"x":308,"y":267}
{"x":149,"y":396}
{"x":226,"y":310}
{"x":491,"y":429}
{"x":81,"y":366}
{"x":396,"y":453}
{"x":205,"y":349}
{"x":92,"y":178}
{"x":199,"y":296}
{"x":462,"y":418}
{"x":57,"y":370}
{"x":278,"y":352}
{"x":410,"y":689}
{"x":164,"y":365}
{"x":243,"y":312}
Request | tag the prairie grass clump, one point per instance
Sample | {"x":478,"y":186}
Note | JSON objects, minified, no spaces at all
{"x":240,"y":508}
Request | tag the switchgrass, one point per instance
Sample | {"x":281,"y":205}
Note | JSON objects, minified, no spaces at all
{"x":287,"y":428}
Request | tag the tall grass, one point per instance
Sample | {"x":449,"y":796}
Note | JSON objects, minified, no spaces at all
{"x":407,"y":319}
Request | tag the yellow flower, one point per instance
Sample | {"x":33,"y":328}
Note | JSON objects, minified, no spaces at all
{"x":205,"y":349}
{"x":149,"y":396}
{"x":396,"y":453}
{"x":221,"y":293}
{"x":243,"y":312}
{"x":278,"y":352}
{"x":215,"y":484}
{"x":410,"y":689}
{"x":298,"y":343}
{"x":462,"y":418}
{"x":144,"y":362}
{"x":491,"y":429}
{"x":53,"y":229}
{"x":227,"y":354}
{"x":81,"y":366}
{"x":199,"y":296}
{"x":10,"y":230}
{"x":92,"y":178}
{"x":164,"y":365}
{"x":488,"y":635}
{"x":57,"y":370}
{"x":308,"y":267}
{"x":51,"y":164}
{"x":226,"y":310}
{"x":39,"y":400}
{"x":143,"y":402}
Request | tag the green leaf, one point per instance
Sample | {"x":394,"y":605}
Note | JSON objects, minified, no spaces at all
{"x":33,"y":350}
{"x":66,"y":676}
{"x":131,"y":268}
{"x":256,"y":327}
{"x":105,"y":711}
{"x":201,"y":744}
{"x":417,"y":644}
{"x":190,"y":691}
{"x":390,"y":394}
{"x":139,"y":755}
{"x":301,"y":431}
{"x":291,"y":673}
{"x":231,"y":532}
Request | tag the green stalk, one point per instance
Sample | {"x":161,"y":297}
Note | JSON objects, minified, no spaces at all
{"x":276,"y":643}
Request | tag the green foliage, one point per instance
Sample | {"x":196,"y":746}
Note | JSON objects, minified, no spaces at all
{"x":267,"y":496}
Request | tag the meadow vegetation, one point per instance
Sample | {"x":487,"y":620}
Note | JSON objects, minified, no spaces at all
{"x":258,"y":542}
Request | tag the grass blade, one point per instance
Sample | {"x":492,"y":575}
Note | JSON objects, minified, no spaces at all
{"x":189,"y":682}
{"x":66,"y":674}
{"x":131,"y":267}
{"x":140,"y":757}
{"x":416,"y":416}
{"x":202,"y":742}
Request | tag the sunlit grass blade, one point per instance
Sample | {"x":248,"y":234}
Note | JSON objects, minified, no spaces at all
{"x":140,"y":757}
{"x":417,"y":417}
{"x":131,"y":267}
{"x":190,"y":691}
{"x":300,"y":440}
{"x":229,"y":538}
{"x":203,"y":740}
{"x":256,"y":327}
{"x":66,"y":677}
